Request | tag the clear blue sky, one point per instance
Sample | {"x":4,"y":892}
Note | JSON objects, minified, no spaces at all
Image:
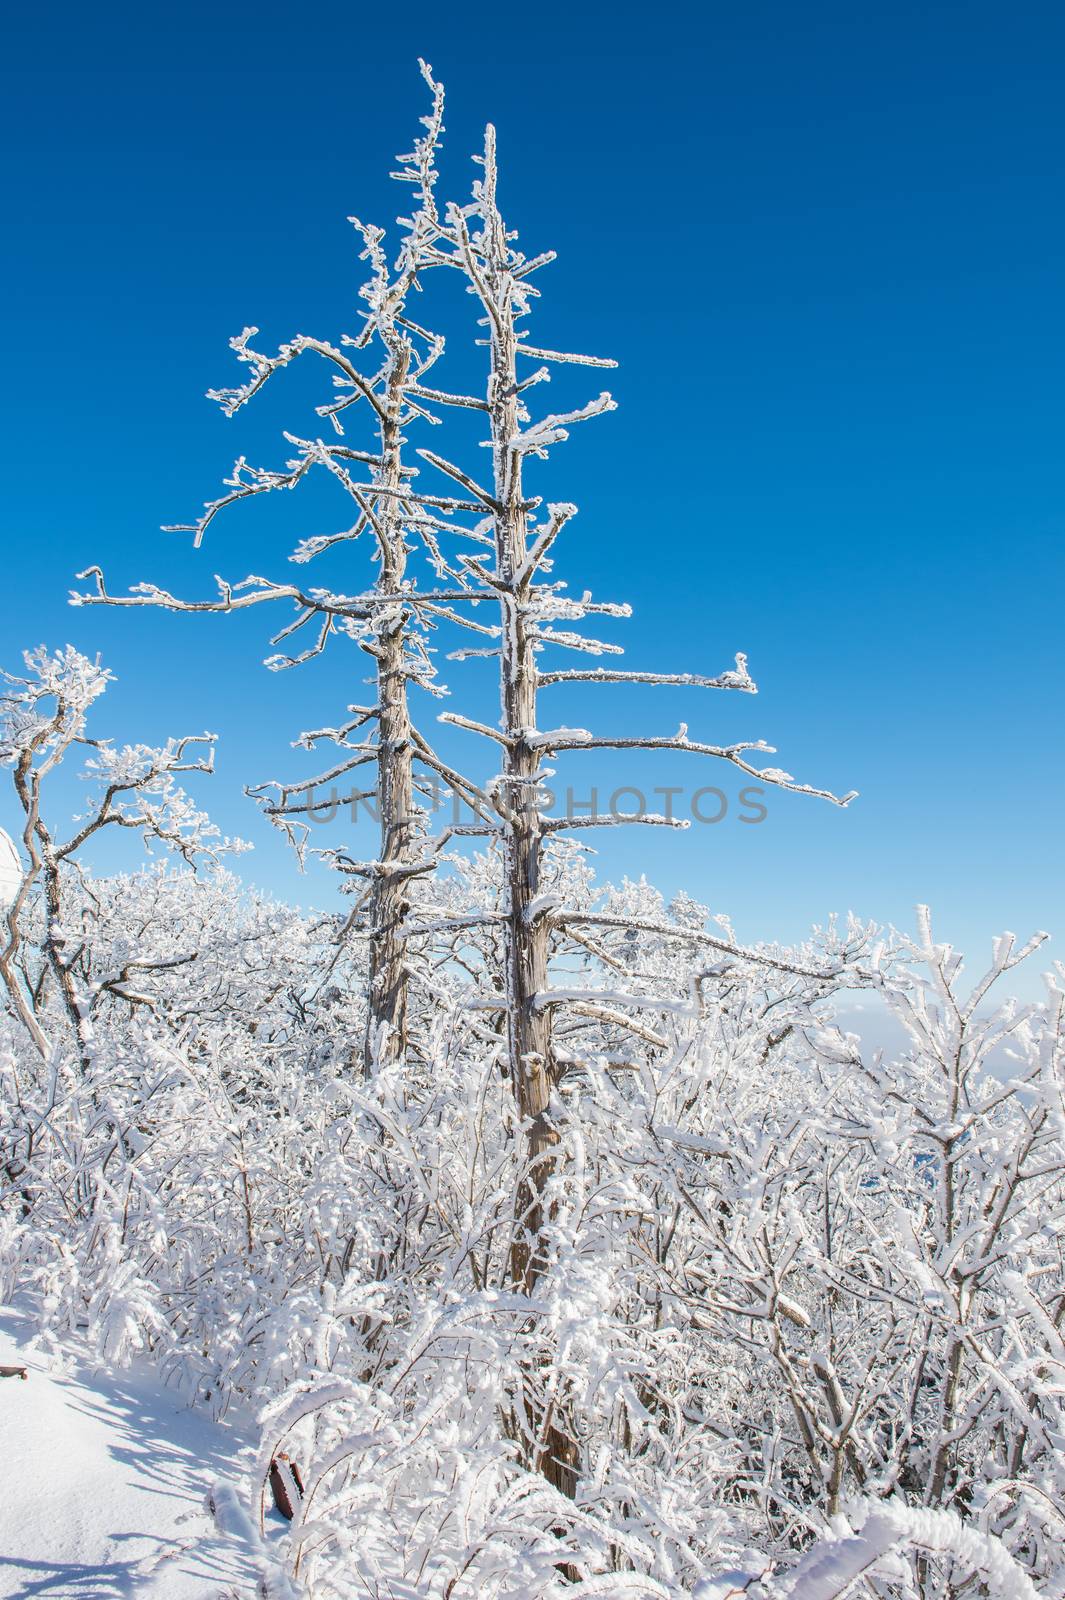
{"x":825,"y":243}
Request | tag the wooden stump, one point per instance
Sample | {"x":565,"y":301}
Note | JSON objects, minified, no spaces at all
{"x":286,"y":1485}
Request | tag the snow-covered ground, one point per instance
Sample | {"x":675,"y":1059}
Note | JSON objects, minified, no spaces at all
{"x":103,"y":1479}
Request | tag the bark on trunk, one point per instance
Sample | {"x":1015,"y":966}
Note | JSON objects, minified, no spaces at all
{"x":528,"y":1029}
{"x":527,"y":931}
{"x":386,"y":1027}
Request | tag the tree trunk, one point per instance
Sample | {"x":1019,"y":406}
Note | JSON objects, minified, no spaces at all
{"x":527,"y":929}
{"x":386,"y":1023}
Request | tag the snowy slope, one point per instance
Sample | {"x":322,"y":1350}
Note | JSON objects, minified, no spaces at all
{"x":103,"y":1477}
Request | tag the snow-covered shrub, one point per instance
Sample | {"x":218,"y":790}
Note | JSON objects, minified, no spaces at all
{"x":785,"y":1282}
{"x":794,"y":1295}
{"x":159,"y":1184}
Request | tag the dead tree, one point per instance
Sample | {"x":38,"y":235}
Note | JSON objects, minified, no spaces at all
{"x":43,"y":717}
{"x":387,"y":621}
{"x":530,"y":606}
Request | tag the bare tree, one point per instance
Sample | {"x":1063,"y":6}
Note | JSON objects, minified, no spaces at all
{"x":498,"y":274}
{"x":42,"y":717}
{"x":389,"y":621}
{"x":522,"y":554}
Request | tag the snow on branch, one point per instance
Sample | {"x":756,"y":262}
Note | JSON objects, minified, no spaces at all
{"x":733,"y":753}
{"x":439,"y":397}
{"x":647,"y":819}
{"x":244,"y":483}
{"x":738,"y":679}
{"x":253,"y":590}
{"x":459,"y":721}
{"x":729,"y":947}
{"x":263,"y":367}
{"x":550,"y":430}
{"x":834,"y":1565}
{"x":134,"y":788}
{"x":43,"y":712}
{"x":558,"y":516}
{"x":451,"y":471}
{"x":561,"y":356}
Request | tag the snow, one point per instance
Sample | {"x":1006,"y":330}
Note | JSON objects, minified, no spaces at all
{"x":831,"y":1568}
{"x":10,"y":871}
{"x":105,"y":1482}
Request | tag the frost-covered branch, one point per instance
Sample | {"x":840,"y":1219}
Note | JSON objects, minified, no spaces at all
{"x":43,"y":715}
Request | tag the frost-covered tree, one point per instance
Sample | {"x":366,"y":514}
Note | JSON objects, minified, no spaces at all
{"x":158,"y":1198}
{"x":43,"y":716}
{"x":769,"y":1306}
{"x":388,"y":621}
{"x":627,"y":1270}
{"x":514,"y":573}
{"x":877,"y":1247}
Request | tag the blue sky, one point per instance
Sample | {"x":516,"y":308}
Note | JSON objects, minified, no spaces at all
{"x":825,"y":244}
